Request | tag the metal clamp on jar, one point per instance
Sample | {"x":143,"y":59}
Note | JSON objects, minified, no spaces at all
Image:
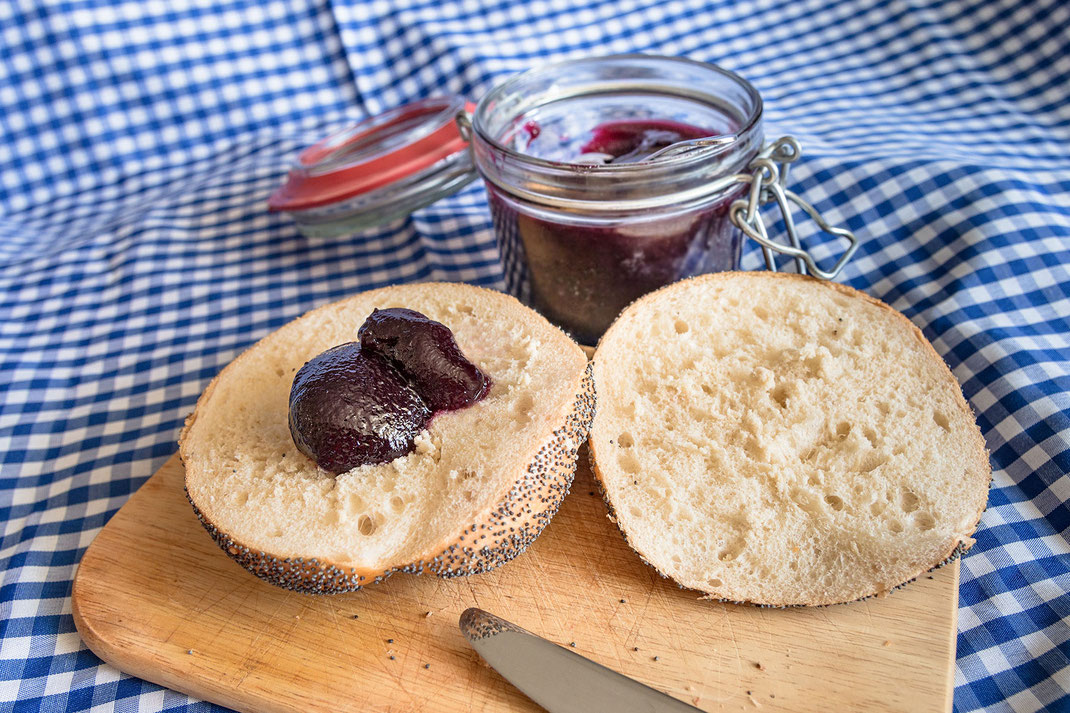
{"x":607,"y":178}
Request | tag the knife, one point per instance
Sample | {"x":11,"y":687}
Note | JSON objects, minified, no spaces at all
{"x":559,"y":680}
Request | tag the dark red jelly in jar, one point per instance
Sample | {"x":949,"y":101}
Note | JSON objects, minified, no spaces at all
{"x":590,"y":210}
{"x":631,"y":140}
{"x":581,"y":276}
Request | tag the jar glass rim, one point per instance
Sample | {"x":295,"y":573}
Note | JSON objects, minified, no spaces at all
{"x":480,"y":115}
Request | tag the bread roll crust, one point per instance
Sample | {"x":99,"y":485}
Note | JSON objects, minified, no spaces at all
{"x":974,"y":486}
{"x":502,"y":529}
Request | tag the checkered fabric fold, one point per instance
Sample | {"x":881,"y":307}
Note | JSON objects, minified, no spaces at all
{"x":139,"y":141}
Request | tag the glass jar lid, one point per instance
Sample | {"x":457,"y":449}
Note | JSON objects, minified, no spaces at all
{"x":379,"y":169}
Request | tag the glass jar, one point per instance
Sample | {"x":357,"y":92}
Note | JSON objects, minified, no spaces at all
{"x":607,"y":178}
{"x":580,"y":241}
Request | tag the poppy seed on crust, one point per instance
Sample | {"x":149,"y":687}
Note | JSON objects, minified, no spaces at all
{"x":534,"y":499}
{"x":509,"y":528}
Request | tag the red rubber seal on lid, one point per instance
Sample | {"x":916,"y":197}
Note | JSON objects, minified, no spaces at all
{"x":374,"y":153}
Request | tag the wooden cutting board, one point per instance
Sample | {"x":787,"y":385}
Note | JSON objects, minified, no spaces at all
{"x":156,"y":598}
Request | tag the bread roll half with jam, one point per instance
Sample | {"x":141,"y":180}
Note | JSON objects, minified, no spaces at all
{"x":481,"y":484}
{"x":778,"y":440}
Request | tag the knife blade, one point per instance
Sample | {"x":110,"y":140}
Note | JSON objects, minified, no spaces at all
{"x":559,"y":680}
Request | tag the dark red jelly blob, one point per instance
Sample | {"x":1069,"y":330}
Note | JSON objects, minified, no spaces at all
{"x":365,"y":402}
{"x":532,"y":129}
{"x":427,"y":354}
{"x":349,"y":409}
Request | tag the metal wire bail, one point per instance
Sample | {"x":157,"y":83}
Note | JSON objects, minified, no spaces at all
{"x":769,"y":174}
{"x":464,"y":124}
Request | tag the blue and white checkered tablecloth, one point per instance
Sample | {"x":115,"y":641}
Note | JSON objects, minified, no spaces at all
{"x":140,"y":139}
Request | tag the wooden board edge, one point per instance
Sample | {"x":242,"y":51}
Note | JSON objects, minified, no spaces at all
{"x":952,"y":660}
{"x":104,"y":636}
{"x":99,"y":640}
{"x":103,"y":640}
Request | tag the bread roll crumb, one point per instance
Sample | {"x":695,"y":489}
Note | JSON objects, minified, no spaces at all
{"x":480,"y":484}
{"x":779,"y":440}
